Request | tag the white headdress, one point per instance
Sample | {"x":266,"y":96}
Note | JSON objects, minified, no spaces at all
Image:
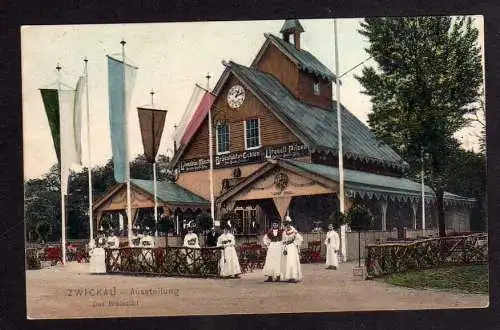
{"x":288,"y":219}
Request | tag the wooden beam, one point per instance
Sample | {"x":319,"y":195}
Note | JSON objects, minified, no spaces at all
{"x":282,"y":204}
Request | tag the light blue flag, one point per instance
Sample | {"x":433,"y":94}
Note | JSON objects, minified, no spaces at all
{"x":121,"y":79}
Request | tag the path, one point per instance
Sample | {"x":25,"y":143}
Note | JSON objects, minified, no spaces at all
{"x":321,"y":291}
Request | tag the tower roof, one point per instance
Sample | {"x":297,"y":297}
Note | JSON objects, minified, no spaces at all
{"x":291,"y":25}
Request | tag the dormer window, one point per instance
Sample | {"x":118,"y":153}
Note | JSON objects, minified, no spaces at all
{"x":316,"y":89}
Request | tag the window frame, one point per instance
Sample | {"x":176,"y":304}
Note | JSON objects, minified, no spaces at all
{"x":318,"y":91}
{"x":217,"y":140}
{"x":245,"y":134}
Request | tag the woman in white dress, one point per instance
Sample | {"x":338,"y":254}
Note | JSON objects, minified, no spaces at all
{"x":332,"y":243}
{"x":272,"y":240}
{"x":191,"y":241}
{"x":229,"y":264}
{"x":290,"y":262}
{"x":97,"y":256}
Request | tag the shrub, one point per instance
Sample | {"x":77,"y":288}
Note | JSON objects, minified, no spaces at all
{"x":32,"y":260}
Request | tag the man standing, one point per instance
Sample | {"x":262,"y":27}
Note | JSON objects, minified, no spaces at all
{"x":290,"y":267}
{"x":229,"y":264}
{"x":211,"y":240}
{"x":332,"y":243}
{"x":272,"y":240}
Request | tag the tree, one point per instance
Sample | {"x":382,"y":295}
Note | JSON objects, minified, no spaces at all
{"x":359,"y":219}
{"x":425,"y":87}
{"x":43,"y":198}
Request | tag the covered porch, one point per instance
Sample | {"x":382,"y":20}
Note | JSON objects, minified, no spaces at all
{"x":175,"y":204}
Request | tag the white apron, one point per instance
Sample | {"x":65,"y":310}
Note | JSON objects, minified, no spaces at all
{"x":290,"y":263}
{"x":229,"y":264}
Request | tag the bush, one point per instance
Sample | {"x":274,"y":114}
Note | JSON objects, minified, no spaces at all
{"x":32,"y":260}
{"x":338,"y":219}
{"x":43,"y":229}
{"x":359,"y":218}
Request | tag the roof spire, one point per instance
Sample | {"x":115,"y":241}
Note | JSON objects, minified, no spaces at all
{"x":292,"y":26}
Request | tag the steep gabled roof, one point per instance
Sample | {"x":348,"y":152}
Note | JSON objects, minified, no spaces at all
{"x":305,"y":60}
{"x":316,"y":127}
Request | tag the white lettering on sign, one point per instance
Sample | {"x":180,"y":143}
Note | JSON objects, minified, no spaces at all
{"x":293,"y":150}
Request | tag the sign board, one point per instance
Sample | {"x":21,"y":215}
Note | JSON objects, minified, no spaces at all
{"x":239,"y":158}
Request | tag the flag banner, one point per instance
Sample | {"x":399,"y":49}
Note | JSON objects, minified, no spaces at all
{"x":121,"y":80}
{"x":152,"y":122}
{"x":199,"y":105}
{"x":63,"y":109}
{"x":196,"y":111}
{"x":51,"y":103}
{"x":77,"y":119}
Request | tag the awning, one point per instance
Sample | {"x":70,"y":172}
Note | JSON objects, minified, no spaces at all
{"x":365,"y":184}
{"x":321,"y":179}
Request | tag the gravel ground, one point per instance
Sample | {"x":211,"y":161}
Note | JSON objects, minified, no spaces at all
{"x":59,"y":292}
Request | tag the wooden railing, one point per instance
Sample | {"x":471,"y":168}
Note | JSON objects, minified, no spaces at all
{"x":388,"y":258}
{"x":171,"y":261}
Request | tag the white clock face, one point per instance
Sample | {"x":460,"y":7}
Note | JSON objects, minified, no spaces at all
{"x":235,"y":96}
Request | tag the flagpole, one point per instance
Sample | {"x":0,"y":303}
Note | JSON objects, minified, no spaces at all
{"x":63,"y":195}
{"x":340,"y":152}
{"x":89,"y":165}
{"x":154,"y":171}
{"x":210,"y":151}
{"x":423,"y":194}
{"x":127,"y":168}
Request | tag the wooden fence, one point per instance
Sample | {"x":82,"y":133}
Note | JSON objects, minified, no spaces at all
{"x":388,"y":258}
{"x":171,"y":261}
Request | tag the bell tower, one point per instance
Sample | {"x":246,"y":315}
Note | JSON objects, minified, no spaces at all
{"x":292,"y":27}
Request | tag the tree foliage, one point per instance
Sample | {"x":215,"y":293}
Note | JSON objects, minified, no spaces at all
{"x":424,"y":89}
{"x":43,"y":198}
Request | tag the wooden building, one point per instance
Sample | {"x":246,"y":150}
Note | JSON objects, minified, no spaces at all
{"x":275,"y":147}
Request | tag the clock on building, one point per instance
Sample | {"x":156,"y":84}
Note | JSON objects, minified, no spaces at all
{"x":235,"y":96}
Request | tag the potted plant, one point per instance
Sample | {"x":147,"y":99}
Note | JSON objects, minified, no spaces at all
{"x":359,"y":219}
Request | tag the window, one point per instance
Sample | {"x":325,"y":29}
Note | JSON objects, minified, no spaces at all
{"x":316,"y":88}
{"x":252,"y":134}
{"x":222,"y":136}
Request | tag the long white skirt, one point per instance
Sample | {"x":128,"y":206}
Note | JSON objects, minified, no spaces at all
{"x":229,"y":264}
{"x":290,"y":264}
{"x":332,"y":258}
{"x":97,"y":261}
{"x":272,"y":266}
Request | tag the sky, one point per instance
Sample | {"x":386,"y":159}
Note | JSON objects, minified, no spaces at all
{"x":172,"y":58}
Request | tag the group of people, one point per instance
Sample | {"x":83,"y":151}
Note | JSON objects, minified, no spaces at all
{"x":283,"y":252}
{"x":282,"y":261}
{"x":96,"y":247}
{"x":228,"y":264}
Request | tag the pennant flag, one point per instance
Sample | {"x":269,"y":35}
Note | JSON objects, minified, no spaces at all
{"x":121,"y":80}
{"x":152,"y":122}
{"x":51,"y":103}
{"x":63,"y":109}
{"x":196,"y":112}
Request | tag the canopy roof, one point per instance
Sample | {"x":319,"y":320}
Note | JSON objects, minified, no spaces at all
{"x":169,"y":194}
{"x":355,"y":182}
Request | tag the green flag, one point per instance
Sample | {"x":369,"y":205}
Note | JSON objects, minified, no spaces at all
{"x":51,"y":103}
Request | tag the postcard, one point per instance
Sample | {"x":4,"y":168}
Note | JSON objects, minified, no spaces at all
{"x":254,"y":167}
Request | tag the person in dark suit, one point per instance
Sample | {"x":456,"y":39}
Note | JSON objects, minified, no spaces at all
{"x":211,"y":240}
